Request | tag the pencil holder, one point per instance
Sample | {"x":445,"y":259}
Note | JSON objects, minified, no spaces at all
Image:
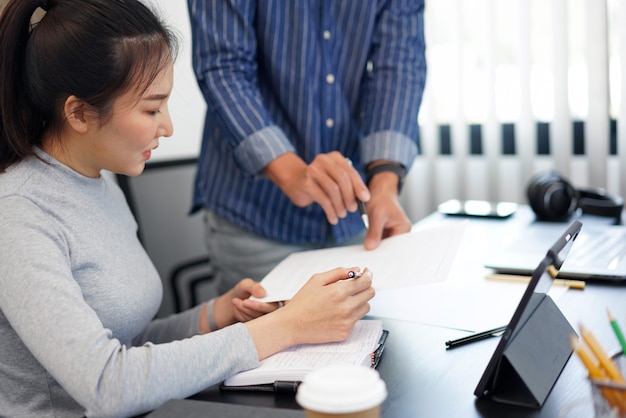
{"x":609,"y":398}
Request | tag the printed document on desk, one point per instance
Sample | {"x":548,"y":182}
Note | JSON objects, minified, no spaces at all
{"x":476,"y":305}
{"x":417,"y":257}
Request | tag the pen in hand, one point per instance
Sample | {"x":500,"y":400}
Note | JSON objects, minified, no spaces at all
{"x":354,"y":274}
{"x":476,"y":337}
{"x":363,"y":213}
{"x":361,"y":206}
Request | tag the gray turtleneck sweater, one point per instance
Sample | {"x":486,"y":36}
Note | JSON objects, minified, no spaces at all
{"x":77,"y":297}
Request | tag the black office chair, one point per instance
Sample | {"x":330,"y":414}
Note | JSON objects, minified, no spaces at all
{"x":191,"y":274}
{"x":160,"y":199}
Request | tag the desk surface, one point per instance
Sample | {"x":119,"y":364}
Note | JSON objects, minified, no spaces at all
{"x":425,"y":379}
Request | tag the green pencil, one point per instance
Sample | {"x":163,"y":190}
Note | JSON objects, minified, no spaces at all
{"x":618,"y":331}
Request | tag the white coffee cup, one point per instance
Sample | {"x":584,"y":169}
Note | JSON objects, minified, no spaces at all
{"x":342,"y":391}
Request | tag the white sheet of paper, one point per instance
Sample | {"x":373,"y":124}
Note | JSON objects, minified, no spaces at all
{"x":475,"y":306}
{"x":415,"y":258}
{"x":465,"y":300}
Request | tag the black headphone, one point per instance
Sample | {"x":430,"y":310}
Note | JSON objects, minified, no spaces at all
{"x":553,"y":198}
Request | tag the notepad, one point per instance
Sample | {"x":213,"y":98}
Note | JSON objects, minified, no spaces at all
{"x":291,"y":365}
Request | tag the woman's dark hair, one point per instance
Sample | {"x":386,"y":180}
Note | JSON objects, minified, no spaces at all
{"x":95,"y":50}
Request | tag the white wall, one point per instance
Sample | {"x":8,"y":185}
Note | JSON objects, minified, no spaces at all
{"x":186,"y":104}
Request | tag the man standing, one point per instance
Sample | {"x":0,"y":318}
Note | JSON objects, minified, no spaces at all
{"x":311,"y":106}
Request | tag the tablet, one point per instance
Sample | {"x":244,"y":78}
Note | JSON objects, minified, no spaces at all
{"x":534,"y":348}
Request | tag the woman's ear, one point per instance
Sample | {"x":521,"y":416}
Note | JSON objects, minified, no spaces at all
{"x":76,"y":114}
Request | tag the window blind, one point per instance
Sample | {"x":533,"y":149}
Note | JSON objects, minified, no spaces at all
{"x":514,"y":88}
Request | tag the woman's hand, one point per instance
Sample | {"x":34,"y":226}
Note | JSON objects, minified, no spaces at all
{"x":324,"y":310}
{"x":328,"y":305}
{"x":235,"y":305}
{"x":245,"y":309}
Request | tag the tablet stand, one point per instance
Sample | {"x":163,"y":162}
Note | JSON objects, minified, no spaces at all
{"x":535,"y":357}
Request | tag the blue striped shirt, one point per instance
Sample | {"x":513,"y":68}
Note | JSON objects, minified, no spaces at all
{"x":308,"y":76}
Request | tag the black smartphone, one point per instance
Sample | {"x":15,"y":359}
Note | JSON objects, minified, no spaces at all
{"x":478,"y":208}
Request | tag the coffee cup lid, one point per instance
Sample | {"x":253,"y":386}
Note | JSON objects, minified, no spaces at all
{"x":341,"y":389}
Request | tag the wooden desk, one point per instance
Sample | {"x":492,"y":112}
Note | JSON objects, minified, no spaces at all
{"x":426,"y":380}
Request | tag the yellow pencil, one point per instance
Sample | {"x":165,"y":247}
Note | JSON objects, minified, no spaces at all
{"x":573,"y":284}
{"x":595,"y":371}
{"x":605,"y":361}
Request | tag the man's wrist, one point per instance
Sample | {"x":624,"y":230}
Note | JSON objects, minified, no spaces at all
{"x":281,"y":170}
{"x":398,"y":169}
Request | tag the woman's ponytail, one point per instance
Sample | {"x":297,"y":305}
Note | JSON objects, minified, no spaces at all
{"x":21,"y":123}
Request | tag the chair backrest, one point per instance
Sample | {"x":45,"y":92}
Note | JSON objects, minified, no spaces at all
{"x":160,"y":199}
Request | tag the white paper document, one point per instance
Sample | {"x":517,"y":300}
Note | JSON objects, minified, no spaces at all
{"x":414,"y":258}
{"x":474,"y":306}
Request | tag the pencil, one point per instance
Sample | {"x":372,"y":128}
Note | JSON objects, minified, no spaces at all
{"x":617,"y":331}
{"x":605,"y":361}
{"x":572,"y":284}
{"x":595,"y":371}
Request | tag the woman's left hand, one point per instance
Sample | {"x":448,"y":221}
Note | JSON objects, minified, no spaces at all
{"x":244,"y":308}
{"x":236,"y":305}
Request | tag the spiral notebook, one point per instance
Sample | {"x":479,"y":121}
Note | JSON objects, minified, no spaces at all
{"x":284,"y":371}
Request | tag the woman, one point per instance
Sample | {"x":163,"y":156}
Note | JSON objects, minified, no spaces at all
{"x":85,"y":90}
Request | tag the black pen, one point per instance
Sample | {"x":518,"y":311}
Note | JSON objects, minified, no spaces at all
{"x":286,"y":386}
{"x":354,"y":274}
{"x":364,"y":217}
{"x":475,"y":337}
{"x":361,"y":206}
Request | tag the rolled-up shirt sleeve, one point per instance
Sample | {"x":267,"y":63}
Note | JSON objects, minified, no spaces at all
{"x":224,"y":61}
{"x":394,"y":83}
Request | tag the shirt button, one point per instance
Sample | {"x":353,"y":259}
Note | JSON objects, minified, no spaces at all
{"x":326,"y":34}
{"x":330,"y":79}
{"x":330,"y":123}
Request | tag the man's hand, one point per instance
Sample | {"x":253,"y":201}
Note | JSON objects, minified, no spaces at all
{"x":386,"y":216}
{"x":330,"y":180}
